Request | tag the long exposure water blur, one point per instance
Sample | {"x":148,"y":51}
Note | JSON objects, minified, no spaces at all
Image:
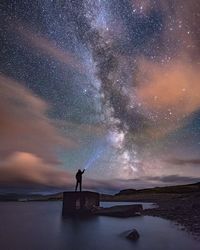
{"x":39,"y":225}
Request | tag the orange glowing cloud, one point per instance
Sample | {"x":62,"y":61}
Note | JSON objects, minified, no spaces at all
{"x":24,"y":123}
{"x":29,"y":139}
{"x":169,"y":93}
{"x":26,"y":168}
{"x":172,"y":89}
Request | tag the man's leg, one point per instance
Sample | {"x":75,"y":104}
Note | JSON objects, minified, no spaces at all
{"x":76,"y":186}
{"x":80,"y":183}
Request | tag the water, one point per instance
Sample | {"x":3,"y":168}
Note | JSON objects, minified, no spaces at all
{"x":39,"y":226}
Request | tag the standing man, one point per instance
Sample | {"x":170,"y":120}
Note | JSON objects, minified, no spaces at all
{"x":79,"y":179}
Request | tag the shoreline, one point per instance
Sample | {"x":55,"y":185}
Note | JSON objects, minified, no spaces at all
{"x":184,"y":212}
{"x":183,"y":209}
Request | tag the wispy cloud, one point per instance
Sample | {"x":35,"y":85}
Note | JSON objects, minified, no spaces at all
{"x":173,"y":179}
{"x":29,"y":140}
{"x":188,"y":162}
{"x":26,"y":169}
{"x":49,"y":48}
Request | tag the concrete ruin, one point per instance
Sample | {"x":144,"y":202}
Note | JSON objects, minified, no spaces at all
{"x":80,"y":203}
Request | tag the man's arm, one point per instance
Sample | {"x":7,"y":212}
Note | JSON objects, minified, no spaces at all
{"x":83,"y":171}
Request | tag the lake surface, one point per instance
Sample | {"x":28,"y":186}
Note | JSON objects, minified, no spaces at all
{"x":39,"y":226}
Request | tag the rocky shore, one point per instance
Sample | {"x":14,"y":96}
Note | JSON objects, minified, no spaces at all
{"x":180,"y":203}
{"x":183,"y":209}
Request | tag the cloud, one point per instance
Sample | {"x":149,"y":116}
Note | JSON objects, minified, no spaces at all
{"x":174,"y":179}
{"x":169,"y":93}
{"x":184,"y":161}
{"x":26,"y":169}
{"x":173,"y":87}
{"x":49,"y":48}
{"x":168,"y":88}
{"x":29,"y":140}
{"x":114,"y":185}
{"x":27,"y":172}
{"x":24,"y":124}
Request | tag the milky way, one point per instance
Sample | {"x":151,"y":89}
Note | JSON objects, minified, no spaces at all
{"x":119,"y":74}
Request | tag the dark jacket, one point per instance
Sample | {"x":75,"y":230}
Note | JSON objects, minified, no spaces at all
{"x":79,"y":175}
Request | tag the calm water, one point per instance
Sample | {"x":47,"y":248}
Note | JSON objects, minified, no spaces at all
{"x":39,"y":226}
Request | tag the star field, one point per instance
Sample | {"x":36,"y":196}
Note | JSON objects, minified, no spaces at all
{"x":121,"y":78}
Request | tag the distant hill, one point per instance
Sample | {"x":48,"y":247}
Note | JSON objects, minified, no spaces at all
{"x":150,"y":194}
{"x":30,"y":197}
{"x":168,"y":189}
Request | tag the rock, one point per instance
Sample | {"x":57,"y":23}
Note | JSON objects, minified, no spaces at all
{"x":121,"y":211}
{"x":133,"y":235}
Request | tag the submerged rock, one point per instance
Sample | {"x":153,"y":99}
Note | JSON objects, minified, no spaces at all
{"x":132,"y":235}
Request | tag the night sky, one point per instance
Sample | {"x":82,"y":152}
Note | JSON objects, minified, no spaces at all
{"x":108,"y":85}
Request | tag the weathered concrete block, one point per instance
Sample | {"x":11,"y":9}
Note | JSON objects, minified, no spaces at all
{"x":121,"y":211}
{"x":79,"y":202}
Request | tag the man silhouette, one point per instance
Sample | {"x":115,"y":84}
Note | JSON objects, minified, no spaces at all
{"x":79,"y":179}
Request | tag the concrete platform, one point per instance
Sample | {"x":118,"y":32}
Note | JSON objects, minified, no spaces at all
{"x":79,"y":203}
